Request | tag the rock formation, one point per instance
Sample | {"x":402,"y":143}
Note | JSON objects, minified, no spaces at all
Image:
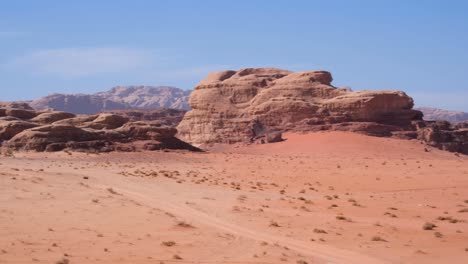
{"x":118,"y":98}
{"x":434,"y":114}
{"x":168,"y":117}
{"x":237,"y":106}
{"x":248,"y":104}
{"x":25,"y":129}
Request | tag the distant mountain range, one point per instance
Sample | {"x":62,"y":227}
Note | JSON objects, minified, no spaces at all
{"x":117,"y":98}
{"x":431,"y":114}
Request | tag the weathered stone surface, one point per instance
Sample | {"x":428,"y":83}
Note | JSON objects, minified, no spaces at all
{"x":238,"y":106}
{"x":76,"y":121}
{"x":50,"y":117}
{"x":168,"y":117}
{"x":147,"y":130}
{"x":107,"y":121}
{"x":9,"y":129}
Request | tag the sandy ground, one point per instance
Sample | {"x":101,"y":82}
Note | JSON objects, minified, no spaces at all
{"x":317,"y":198}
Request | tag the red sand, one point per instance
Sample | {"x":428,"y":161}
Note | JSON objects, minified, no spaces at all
{"x":321,"y":198}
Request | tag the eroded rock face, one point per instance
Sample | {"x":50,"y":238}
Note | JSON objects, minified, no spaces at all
{"x":25,"y":129}
{"x":239,"y":106}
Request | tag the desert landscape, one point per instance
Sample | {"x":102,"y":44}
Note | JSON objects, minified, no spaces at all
{"x":284,"y":168}
{"x":233,"y":132}
{"x":324,"y":197}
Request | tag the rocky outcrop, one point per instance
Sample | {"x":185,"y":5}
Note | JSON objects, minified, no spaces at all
{"x":443,"y":135}
{"x":238,"y":106}
{"x":251,"y":105}
{"x":55,"y":131}
{"x":118,"y":98}
{"x":434,"y":114}
{"x":168,"y":117}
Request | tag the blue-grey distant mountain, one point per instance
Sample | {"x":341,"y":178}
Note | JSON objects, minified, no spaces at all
{"x":434,"y":114}
{"x":117,"y":98}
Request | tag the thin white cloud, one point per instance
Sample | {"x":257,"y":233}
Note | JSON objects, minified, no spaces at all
{"x":82,"y":62}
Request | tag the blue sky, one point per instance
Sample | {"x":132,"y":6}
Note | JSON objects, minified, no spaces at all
{"x":420,"y":47}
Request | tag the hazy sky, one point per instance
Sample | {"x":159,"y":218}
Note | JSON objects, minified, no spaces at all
{"x":420,"y":47}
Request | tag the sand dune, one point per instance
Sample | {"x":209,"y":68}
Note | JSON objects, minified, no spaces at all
{"x":329,"y":197}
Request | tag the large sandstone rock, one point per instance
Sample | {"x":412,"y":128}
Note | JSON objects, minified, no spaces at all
{"x":239,"y":106}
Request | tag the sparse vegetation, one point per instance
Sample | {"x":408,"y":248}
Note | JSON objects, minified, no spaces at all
{"x":428,"y":226}
{"x":320,"y":231}
{"x":168,"y":243}
{"x":63,"y":261}
{"x":184,"y":224}
{"x":112,"y":191}
{"x":175,"y":256}
{"x":274,"y":224}
{"x":378,"y":239}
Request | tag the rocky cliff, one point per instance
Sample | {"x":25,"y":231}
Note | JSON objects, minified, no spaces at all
{"x":118,"y":98}
{"x":252,"y":104}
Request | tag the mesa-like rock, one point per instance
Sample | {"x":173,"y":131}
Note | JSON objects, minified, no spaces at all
{"x":252,"y":103}
{"x":26,"y":129}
